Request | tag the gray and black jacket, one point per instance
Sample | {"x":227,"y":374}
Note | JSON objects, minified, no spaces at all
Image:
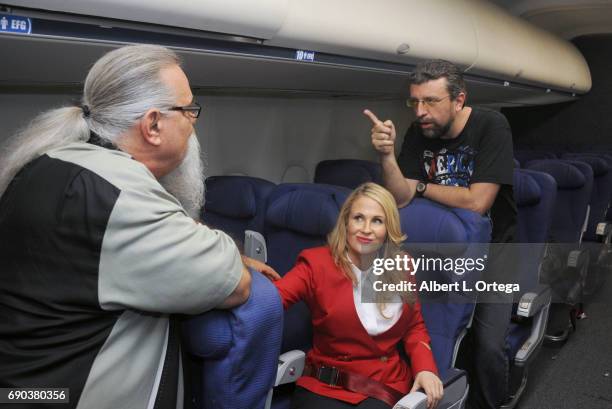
{"x":94,"y":257}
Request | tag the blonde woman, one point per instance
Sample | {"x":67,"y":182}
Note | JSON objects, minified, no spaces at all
{"x":354,"y":361}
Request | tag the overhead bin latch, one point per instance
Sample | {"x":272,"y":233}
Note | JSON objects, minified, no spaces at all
{"x":403,"y":48}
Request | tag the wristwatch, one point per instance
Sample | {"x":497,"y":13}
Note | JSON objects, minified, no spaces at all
{"x":421,"y":187}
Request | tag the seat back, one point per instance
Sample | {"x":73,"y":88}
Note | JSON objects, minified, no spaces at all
{"x":233,"y":354}
{"x":299,"y":216}
{"x":535,"y":194}
{"x":602,"y":189}
{"x":574,"y":184}
{"x":435,"y":229}
{"x":349,"y":173}
{"x":235,"y":204}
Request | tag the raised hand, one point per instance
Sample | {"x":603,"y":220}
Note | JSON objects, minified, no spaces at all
{"x":383,"y":134}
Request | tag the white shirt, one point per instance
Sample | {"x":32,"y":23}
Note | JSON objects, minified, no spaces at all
{"x":369,"y":314}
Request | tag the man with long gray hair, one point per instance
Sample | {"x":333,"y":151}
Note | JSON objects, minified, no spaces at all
{"x":99,"y":245}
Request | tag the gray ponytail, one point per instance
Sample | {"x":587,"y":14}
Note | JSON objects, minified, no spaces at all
{"x":119,"y":89}
{"x":49,"y":130}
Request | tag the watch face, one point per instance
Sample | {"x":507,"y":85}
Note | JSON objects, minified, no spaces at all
{"x":421,"y":187}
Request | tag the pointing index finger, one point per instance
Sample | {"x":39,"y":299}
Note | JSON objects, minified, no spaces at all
{"x":372,"y":117}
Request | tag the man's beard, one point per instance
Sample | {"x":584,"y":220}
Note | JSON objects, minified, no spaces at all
{"x":186,"y":182}
{"x":436,"y":131}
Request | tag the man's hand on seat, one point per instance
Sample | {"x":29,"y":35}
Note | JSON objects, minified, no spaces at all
{"x":263,"y":268}
{"x":431,"y":384}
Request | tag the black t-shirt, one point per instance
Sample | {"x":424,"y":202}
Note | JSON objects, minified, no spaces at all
{"x":482,"y":152}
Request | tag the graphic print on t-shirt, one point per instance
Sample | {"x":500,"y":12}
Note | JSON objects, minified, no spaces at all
{"x":449,"y":167}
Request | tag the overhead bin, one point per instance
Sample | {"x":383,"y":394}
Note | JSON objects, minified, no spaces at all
{"x":402,"y":31}
{"x":515,"y":49}
{"x":337,"y":48}
{"x":476,"y":34}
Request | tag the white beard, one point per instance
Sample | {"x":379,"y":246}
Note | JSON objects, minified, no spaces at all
{"x":186,"y":182}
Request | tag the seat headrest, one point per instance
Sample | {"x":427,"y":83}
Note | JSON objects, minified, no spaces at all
{"x":307,"y":212}
{"x":599,"y":166}
{"x":527,"y":191}
{"x":232,"y":198}
{"x":347,"y":172}
{"x":427,"y":222}
{"x":566,"y":175}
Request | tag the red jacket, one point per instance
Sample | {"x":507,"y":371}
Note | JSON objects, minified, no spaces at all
{"x":339,"y":338}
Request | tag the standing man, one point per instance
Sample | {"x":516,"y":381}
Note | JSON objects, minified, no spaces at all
{"x":461,"y":157}
{"x":97,"y":246}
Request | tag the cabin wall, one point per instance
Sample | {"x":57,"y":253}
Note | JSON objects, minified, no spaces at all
{"x":583,"y":124}
{"x":280,"y":139}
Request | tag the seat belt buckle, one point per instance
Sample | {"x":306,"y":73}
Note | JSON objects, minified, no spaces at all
{"x":328,"y":375}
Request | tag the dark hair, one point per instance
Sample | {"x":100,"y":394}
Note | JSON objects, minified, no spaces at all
{"x":434,"y":69}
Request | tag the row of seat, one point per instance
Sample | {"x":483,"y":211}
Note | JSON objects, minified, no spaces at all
{"x":293,"y":217}
{"x":582,"y":220}
{"x":574,"y":180}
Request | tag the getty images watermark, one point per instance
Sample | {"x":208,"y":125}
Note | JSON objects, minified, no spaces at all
{"x":445,"y":265}
{"x":462,"y":272}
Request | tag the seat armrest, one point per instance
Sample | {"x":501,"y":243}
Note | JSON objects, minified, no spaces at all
{"x":414,"y":400}
{"x":255,"y":246}
{"x":290,"y":367}
{"x":603,"y":232}
{"x":577,"y":258}
{"x":455,"y":392}
{"x":532,"y":302}
{"x":539,"y":311}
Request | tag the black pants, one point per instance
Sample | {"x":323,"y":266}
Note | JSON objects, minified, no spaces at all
{"x":487,"y":360}
{"x":488,"y":366}
{"x":304,"y":399}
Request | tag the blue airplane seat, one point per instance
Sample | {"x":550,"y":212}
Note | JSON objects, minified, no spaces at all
{"x":599,"y":230}
{"x":434,"y":230}
{"x":235,"y":204}
{"x":535,"y":194}
{"x":574,"y":185}
{"x":566,"y":263}
{"x":233,"y":354}
{"x":349,"y":173}
{"x":601,"y":193}
{"x":309,"y":212}
{"x":299,"y":216}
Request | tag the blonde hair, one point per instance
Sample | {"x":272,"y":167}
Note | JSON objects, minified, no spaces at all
{"x":338,"y":244}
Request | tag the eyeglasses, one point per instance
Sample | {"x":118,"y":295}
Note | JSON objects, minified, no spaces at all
{"x":192,"y":110}
{"x":427,"y":102}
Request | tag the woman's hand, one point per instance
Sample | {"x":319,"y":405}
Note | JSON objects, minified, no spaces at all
{"x":261,"y":267}
{"x":432,"y":386}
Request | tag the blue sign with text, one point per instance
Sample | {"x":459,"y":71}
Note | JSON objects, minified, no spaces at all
{"x":303,"y":55}
{"x":15,"y":24}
